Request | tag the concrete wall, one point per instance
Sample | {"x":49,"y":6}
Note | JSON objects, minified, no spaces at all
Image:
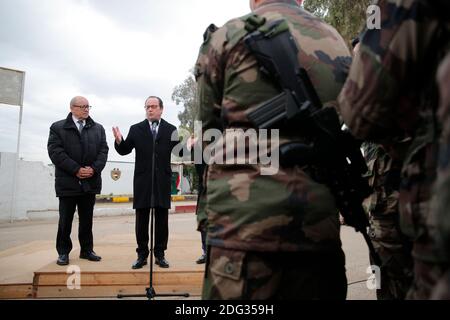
{"x":35,"y":192}
{"x":124,"y":185}
{"x":6,"y":182}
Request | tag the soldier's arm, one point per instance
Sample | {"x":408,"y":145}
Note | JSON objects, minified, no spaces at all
{"x":209,"y":76}
{"x":377,"y":100}
{"x":209,"y":71}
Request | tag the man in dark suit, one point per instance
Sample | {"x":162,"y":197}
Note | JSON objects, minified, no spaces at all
{"x":140,"y":138}
{"x":78,"y":149}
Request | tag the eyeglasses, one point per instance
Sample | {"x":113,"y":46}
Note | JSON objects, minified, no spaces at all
{"x":154,"y":107}
{"x":84,"y":107}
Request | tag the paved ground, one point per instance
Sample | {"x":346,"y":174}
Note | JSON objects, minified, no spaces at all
{"x":29,"y":246}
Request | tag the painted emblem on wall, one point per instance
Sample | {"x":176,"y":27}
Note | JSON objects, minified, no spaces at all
{"x":115,"y":174}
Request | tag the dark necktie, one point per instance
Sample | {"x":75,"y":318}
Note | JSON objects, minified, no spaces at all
{"x":81,"y":126}
{"x":154,"y":126}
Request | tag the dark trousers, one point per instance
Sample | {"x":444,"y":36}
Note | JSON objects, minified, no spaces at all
{"x":67,"y":205}
{"x":161,"y":225}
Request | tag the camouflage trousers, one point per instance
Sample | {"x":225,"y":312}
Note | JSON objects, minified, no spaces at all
{"x":395,"y":254}
{"x":442,"y":290}
{"x":236,"y":275}
{"x":428,"y":280}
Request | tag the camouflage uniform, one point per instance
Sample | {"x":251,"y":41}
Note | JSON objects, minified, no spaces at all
{"x":442,"y":200}
{"x":390,"y":244}
{"x":259,"y":225}
{"x":389,"y":95}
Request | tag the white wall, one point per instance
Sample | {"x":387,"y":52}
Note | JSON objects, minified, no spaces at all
{"x":123,"y":186}
{"x":35,"y":192}
{"x":6,"y":182}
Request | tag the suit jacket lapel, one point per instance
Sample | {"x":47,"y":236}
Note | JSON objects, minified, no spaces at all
{"x":161,"y":129}
{"x":145,"y":127}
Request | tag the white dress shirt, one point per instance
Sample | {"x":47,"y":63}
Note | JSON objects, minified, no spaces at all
{"x":157,"y":127}
{"x":75,"y":120}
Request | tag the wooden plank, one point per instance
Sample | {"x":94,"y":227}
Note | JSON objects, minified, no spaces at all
{"x":16,"y":291}
{"x":123,"y":278}
{"x":110,"y":291}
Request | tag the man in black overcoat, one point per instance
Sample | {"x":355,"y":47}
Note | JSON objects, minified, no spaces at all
{"x":78,"y":149}
{"x":140,"y":138}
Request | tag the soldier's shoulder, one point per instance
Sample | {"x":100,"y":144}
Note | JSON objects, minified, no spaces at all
{"x":215,"y":40}
{"x":208,"y":32}
{"x":212,"y":38}
{"x":232,"y":31}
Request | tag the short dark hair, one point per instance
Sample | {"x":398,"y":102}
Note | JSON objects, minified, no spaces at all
{"x":161,"y":105}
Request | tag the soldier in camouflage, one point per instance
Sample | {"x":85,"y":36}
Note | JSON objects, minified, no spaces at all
{"x":382,"y":206}
{"x":390,"y":244}
{"x":269,"y":236}
{"x":442,"y":201}
{"x":390,"y":94}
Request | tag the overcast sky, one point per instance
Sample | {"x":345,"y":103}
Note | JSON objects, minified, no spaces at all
{"x":113,"y":52}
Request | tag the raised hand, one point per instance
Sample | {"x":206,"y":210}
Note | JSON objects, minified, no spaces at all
{"x":117,"y":134}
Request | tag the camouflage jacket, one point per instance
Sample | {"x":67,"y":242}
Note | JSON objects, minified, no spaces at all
{"x":384,"y":178}
{"x":441,"y":205}
{"x":246,"y":210}
{"x":389,"y":95}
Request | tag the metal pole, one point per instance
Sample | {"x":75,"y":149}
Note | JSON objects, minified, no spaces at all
{"x":181,"y":179}
{"x":16,"y":164}
{"x":15,"y":170}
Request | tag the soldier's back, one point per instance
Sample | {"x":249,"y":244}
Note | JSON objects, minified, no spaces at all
{"x":390,"y":95}
{"x":271,"y":235}
{"x":246,"y":209}
{"x":441,"y":203}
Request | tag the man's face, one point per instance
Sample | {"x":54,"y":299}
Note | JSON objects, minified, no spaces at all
{"x":153,"y":109}
{"x":80,"y":109}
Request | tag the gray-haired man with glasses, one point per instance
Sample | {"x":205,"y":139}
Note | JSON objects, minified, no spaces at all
{"x":78,"y":149}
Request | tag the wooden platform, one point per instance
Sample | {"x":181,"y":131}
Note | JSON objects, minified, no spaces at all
{"x":110,"y":284}
{"x":30,"y":271}
{"x":114,"y":275}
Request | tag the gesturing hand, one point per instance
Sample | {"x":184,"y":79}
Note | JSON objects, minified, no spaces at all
{"x":117,"y":134}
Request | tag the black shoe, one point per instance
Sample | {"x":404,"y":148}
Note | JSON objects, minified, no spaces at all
{"x":139,"y":263}
{"x":63,"y":260}
{"x":162,"y":262}
{"x":91,"y":256}
{"x":202,"y":259}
